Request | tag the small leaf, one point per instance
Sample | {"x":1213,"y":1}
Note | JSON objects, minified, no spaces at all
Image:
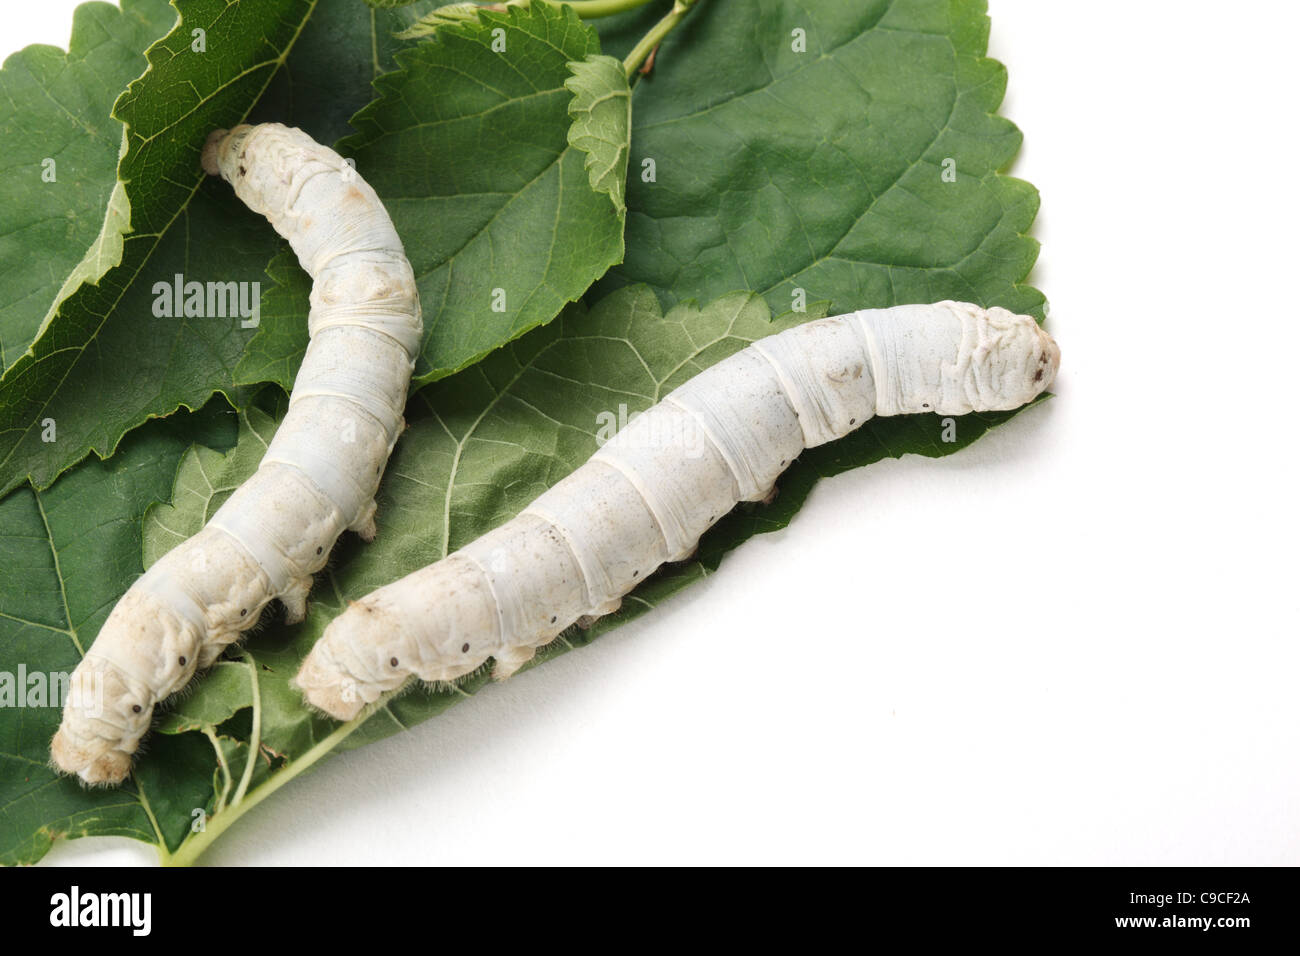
{"x":602,"y":121}
{"x":428,"y":24}
{"x":222,"y":691}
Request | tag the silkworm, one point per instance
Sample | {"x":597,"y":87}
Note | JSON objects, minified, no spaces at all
{"x":319,"y":474}
{"x":646,"y":496}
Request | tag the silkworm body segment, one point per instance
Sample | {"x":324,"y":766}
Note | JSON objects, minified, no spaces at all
{"x":649,"y":493}
{"x":319,"y":474}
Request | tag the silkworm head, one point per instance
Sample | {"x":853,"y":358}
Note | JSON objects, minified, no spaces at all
{"x":112,"y":693}
{"x":1027,"y":352}
{"x":1046,"y":362}
{"x":107,"y":715}
{"x":221,"y":151}
{"x":353,"y":662}
{"x":1015,"y":362}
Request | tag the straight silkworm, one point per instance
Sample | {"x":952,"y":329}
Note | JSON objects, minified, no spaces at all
{"x":318,"y":477}
{"x":649,"y":493}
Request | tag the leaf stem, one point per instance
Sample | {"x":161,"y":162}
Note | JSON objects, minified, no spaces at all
{"x":255,"y":739}
{"x":164,"y":855}
{"x":651,"y":40}
{"x":194,"y":844}
{"x":591,"y":9}
{"x":468,"y":10}
{"x":226,"y":781}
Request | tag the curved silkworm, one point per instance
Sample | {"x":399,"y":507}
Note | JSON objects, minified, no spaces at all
{"x":319,"y":474}
{"x":649,"y":493}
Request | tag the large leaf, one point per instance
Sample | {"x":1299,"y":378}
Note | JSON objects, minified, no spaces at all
{"x":104,"y":339}
{"x":57,"y":221}
{"x":468,"y":143}
{"x":68,"y":553}
{"x":823,"y":170}
{"x":480,"y":446}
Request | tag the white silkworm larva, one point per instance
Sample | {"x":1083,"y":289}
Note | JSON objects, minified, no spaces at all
{"x":649,"y":493}
{"x":318,"y":477}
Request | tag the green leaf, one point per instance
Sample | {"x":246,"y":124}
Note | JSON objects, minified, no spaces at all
{"x":602,"y":118}
{"x":223,"y":692}
{"x":823,"y":171}
{"x":329,"y":73}
{"x":58,"y":197}
{"x":204,"y":481}
{"x":443,"y":16}
{"x":429,"y":23}
{"x":468,"y":146}
{"x":196,"y":82}
{"x":68,"y":553}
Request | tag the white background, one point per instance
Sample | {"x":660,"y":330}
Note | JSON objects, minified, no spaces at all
{"x":1074,"y":642}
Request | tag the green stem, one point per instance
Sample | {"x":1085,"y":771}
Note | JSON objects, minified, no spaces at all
{"x":194,"y":844}
{"x":591,"y":9}
{"x":255,"y":739}
{"x":163,"y":854}
{"x":210,"y":732}
{"x":647,"y":44}
{"x":468,"y":10}
{"x":585,"y":9}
